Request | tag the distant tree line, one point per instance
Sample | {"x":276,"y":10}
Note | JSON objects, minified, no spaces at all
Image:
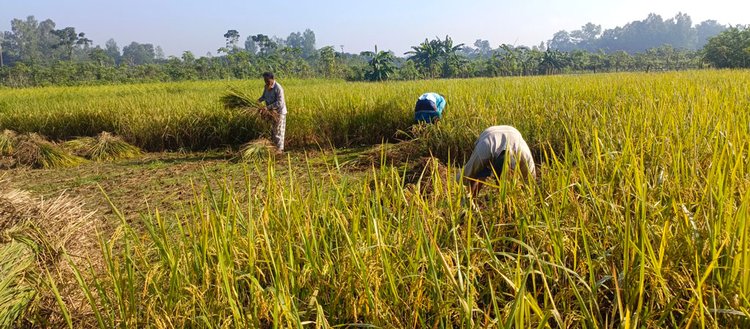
{"x":639,"y":36}
{"x":37,"y":53}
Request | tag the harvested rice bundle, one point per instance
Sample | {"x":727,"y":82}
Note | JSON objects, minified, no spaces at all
{"x":259,"y":148}
{"x":102,"y":148}
{"x":35,"y":151}
{"x":36,"y":234}
{"x":392,"y":154}
{"x":237,"y":100}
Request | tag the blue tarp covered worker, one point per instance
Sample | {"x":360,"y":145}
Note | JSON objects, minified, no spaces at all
{"x":429,"y":108}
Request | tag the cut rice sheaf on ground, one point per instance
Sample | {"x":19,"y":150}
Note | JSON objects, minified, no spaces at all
{"x":105,"y":147}
{"x":34,"y":234}
{"x":35,"y":151}
{"x":257,"y":149}
{"x":390,"y":154}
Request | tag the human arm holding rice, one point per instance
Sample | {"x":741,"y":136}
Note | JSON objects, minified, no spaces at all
{"x":278,"y":104}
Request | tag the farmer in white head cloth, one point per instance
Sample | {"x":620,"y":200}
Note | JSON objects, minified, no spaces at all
{"x":495,"y":146}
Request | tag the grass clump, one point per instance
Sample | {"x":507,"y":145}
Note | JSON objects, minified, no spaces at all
{"x":35,"y":151}
{"x":105,"y":147}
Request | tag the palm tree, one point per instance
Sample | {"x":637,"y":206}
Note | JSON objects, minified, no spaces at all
{"x":381,"y":64}
{"x":552,"y":62}
{"x":530,"y":59}
{"x":430,"y":54}
{"x":452,"y":61}
{"x":509,"y":58}
{"x":426,"y":56}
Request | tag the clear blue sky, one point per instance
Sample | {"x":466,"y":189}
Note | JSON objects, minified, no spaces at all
{"x":199,"y":26}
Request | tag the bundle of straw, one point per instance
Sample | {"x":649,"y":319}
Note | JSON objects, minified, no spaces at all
{"x":393,"y":154}
{"x":35,"y":151}
{"x":238,"y":100}
{"x":257,"y":149}
{"x":104,"y":147}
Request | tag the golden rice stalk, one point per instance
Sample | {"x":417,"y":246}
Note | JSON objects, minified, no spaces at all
{"x":36,"y":233}
{"x":7,"y":142}
{"x":238,"y":100}
{"x":17,"y":281}
{"x":259,"y":148}
{"x":105,"y":147}
{"x":393,"y":154}
{"x":80,"y":146}
{"x":35,"y":151}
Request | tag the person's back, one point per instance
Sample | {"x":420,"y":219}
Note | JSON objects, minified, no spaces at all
{"x":508,"y":139}
{"x":496,"y":145}
{"x":429,"y":108}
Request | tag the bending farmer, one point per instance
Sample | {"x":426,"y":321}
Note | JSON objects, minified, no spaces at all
{"x":495,"y":146}
{"x":429,"y":108}
{"x":273,"y":95}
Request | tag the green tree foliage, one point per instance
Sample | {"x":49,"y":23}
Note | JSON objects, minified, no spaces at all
{"x":638,"y":36}
{"x":308,"y":43}
{"x":426,"y":56}
{"x":99,"y":56}
{"x":294,"y":40}
{"x":68,"y":38}
{"x":381,"y":65}
{"x":453,"y":62}
{"x":553,"y":61}
{"x":250,"y":45}
{"x":729,"y":49}
{"x":27,"y":40}
{"x":327,"y":62}
{"x":232,"y":39}
{"x":586,"y":37}
{"x":35,"y":53}
{"x":2,"y":53}
{"x":483,"y":48}
{"x":266,"y":46}
{"x":562,"y":41}
{"x":433,"y":55}
{"x":138,"y":54}
{"x":706,"y":30}
{"x":113,"y":51}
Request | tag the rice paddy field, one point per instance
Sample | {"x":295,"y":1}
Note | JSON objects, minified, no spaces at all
{"x":640,"y":216}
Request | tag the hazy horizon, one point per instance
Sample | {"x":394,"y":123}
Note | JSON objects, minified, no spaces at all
{"x":189,"y":25}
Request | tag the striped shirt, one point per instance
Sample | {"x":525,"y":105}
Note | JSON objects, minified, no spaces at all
{"x":274,"y":98}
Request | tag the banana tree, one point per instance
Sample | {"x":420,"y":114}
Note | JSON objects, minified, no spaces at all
{"x":381,"y":65}
{"x":552,"y":62}
{"x":452,"y":61}
{"x":427,"y":56}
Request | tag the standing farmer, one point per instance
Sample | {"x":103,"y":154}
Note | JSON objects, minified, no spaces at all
{"x":495,"y":146}
{"x":273,"y":96}
{"x":429,"y":108}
